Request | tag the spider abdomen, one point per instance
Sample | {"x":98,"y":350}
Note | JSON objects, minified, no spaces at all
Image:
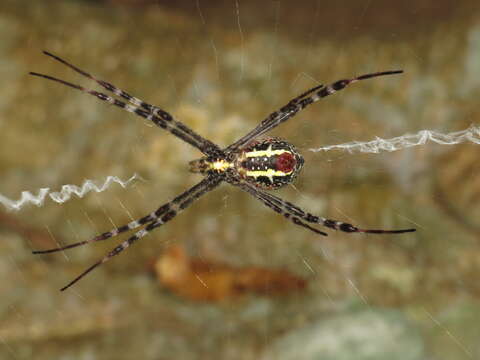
{"x":269,"y":164}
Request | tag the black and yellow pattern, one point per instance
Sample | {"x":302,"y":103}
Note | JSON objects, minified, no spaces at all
{"x":250,"y":164}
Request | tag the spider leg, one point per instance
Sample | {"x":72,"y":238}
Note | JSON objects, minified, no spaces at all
{"x":106,"y":85}
{"x":294,"y":211}
{"x":114,"y":232}
{"x":299,"y":103}
{"x":150,"y":112}
{"x":275,"y":206}
{"x":162,"y":122}
{"x":157,"y":218}
{"x":152,"y":217}
{"x":138,"y":235}
{"x":332,"y":224}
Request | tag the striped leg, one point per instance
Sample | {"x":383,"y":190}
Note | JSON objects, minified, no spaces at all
{"x":299,"y":103}
{"x":150,"y":112}
{"x":112,"y":233}
{"x":260,"y":195}
{"x":157,"y":218}
{"x":294,"y":211}
{"x":138,"y":235}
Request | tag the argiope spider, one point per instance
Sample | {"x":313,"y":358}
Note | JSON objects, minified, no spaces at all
{"x":250,"y":163}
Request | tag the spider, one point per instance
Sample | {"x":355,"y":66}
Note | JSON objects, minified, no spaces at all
{"x":252,"y":163}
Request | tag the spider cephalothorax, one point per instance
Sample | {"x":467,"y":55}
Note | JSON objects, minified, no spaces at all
{"x":250,"y":164}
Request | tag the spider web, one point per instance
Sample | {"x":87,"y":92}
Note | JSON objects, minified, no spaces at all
{"x":472,"y":134}
{"x":65,"y":193}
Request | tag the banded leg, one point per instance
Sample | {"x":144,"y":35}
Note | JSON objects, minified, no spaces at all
{"x":157,"y":218}
{"x":294,"y":211}
{"x":138,"y":235}
{"x":112,"y":233}
{"x":299,"y":103}
{"x":150,"y":112}
{"x":256,"y":193}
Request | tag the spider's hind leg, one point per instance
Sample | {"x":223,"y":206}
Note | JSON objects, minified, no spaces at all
{"x":332,"y":224}
{"x":295,"y":214}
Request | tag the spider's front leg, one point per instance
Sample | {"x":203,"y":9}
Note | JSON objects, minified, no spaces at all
{"x":158,"y":116}
{"x":162,"y":215}
{"x":294,"y":213}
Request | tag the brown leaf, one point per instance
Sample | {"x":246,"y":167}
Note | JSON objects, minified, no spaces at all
{"x":198,"y":280}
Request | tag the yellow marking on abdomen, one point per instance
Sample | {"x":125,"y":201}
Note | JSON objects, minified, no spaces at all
{"x":268,"y":152}
{"x":268,"y":173}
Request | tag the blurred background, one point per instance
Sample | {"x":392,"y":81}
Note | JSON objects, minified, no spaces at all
{"x":229,"y":278}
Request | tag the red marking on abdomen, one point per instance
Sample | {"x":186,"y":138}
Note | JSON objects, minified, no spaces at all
{"x":285,"y":162}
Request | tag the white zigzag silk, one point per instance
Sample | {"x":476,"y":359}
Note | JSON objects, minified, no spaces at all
{"x":64,"y":194}
{"x":471,"y":134}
